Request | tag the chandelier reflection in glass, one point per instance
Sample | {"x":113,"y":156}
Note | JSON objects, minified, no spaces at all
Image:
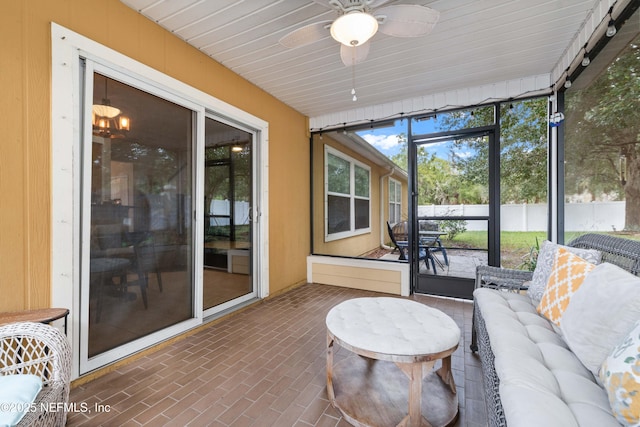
{"x":109,"y":121}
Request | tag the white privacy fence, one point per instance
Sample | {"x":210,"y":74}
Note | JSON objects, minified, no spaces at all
{"x":223,"y":207}
{"x":596,"y":216}
{"x":170,"y":211}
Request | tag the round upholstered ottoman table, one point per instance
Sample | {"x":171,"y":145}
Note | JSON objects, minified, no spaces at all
{"x":394,"y":345}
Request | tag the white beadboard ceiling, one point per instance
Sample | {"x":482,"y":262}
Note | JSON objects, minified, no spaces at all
{"x":474,"y":44}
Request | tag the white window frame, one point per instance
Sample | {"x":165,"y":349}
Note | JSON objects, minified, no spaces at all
{"x":352,"y":196}
{"x":67,"y":49}
{"x":395,"y":203}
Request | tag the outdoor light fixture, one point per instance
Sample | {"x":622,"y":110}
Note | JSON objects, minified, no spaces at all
{"x":354,"y":28}
{"x":585,"y":58}
{"x":611,"y":29}
{"x":108,"y":120}
{"x":567,"y":82}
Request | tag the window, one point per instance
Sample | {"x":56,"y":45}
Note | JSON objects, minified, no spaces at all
{"x":395,"y":201}
{"x":347,"y":190}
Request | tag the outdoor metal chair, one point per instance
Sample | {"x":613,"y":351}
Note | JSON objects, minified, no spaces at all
{"x":403,"y":248}
{"x":434,"y":243}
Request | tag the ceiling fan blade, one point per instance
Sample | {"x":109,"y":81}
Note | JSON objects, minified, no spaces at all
{"x":407,"y":20}
{"x":306,"y":35}
{"x":352,"y":55}
{"x":378,"y":3}
{"x":344,"y":5}
{"x":326,"y":3}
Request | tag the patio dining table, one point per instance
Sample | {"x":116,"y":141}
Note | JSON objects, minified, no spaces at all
{"x":431,"y":239}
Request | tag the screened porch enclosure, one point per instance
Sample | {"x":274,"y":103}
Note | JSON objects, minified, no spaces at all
{"x":465,"y":168}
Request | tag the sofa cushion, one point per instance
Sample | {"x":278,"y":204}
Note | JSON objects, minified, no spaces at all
{"x":566,"y":276}
{"x":544,"y":264}
{"x":620,"y":374}
{"x":542,"y":383}
{"x":17,"y":393}
{"x":600,"y":314}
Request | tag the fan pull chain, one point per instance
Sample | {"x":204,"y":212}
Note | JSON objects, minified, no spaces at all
{"x":353,"y":73}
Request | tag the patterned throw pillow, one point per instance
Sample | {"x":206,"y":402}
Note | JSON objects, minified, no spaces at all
{"x":544,"y":264}
{"x":567,"y":275}
{"x":620,"y":374}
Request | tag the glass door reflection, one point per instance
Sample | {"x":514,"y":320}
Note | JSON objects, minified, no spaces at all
{"x":227,"y":256}
{"x":140,"y":175}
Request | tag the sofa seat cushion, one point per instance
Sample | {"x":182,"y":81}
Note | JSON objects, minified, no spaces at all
{"x":542,"y":383}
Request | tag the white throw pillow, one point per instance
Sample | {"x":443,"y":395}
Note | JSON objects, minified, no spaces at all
{"x":601,"y":313}
{"x":544,"y":265}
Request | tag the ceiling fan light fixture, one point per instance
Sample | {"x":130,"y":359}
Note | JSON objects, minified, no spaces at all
{"x":354,"y":28}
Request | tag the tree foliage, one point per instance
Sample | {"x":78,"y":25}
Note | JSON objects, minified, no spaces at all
{"x":221,"y":164}
{"x":602,"y":128}
{"x":464,"y":179}
{"x":602,"y":150}
{"x":523,"y":150}
{"x":439,"y":182}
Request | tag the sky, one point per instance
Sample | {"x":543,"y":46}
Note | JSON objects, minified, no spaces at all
{"x":386,"y":141}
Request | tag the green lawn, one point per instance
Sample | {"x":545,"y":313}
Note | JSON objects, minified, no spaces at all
{"x":515,"y":246}
{"x":508,"y":239}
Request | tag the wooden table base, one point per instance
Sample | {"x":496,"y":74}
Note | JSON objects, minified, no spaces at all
{"x":372,"y":392}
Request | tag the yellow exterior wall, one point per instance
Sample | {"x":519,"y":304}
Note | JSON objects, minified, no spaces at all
{"x":361,"y":244}
{"x":25,"y":149}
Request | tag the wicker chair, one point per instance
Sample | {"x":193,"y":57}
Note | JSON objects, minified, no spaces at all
{"x":42,"y":350}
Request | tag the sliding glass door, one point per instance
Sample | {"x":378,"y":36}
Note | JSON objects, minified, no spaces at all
{"x":228,"y":201}
{"x":138,"y":186}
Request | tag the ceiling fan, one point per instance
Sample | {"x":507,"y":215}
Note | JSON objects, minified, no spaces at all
{"x":359,"y":20}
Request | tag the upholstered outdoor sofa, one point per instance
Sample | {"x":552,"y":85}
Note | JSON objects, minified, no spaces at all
{"x":539,"y":373}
